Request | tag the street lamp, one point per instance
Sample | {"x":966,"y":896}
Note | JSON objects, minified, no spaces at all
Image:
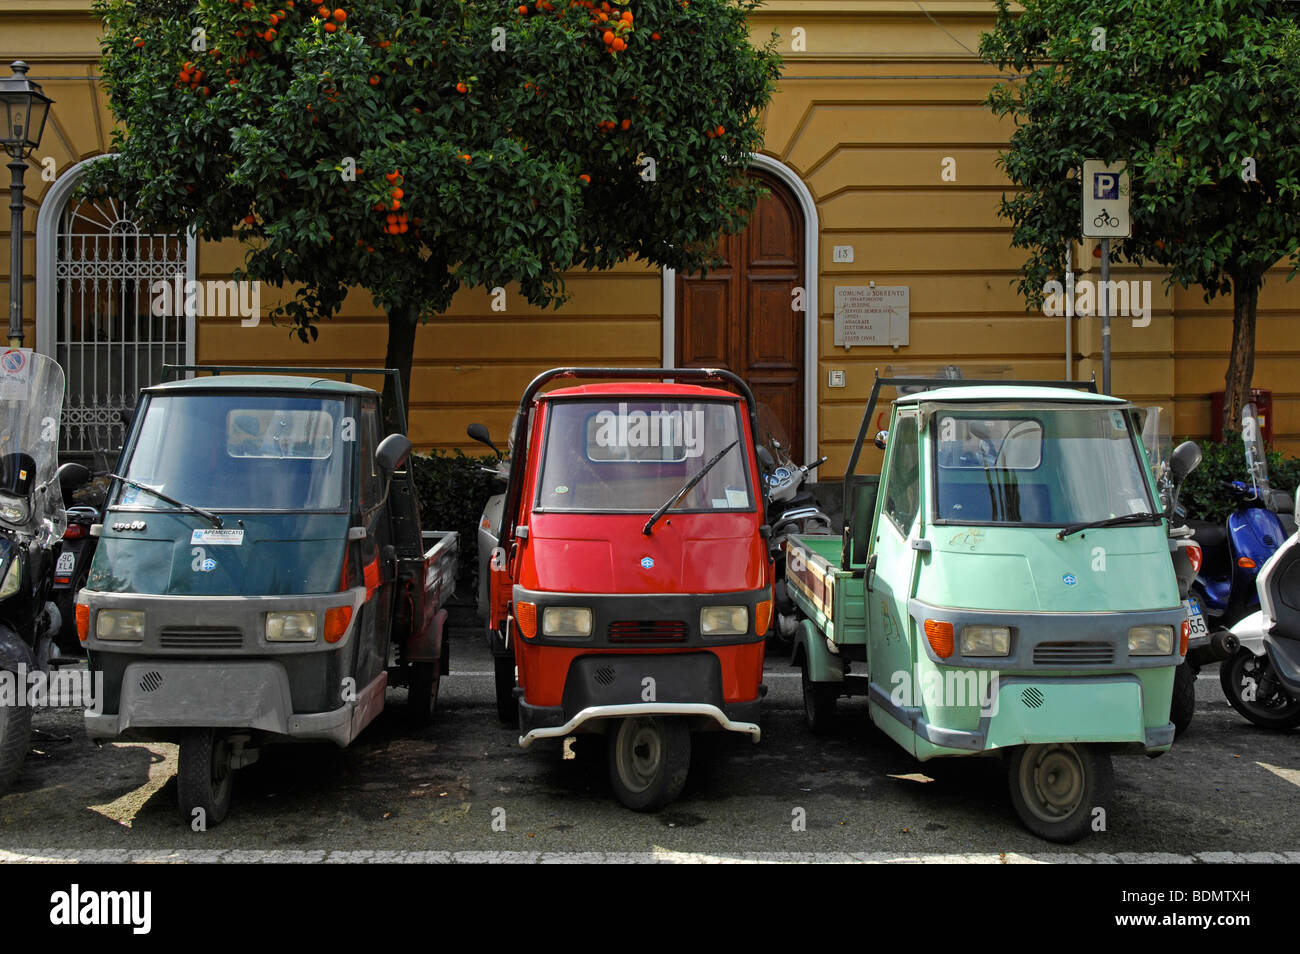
{"x":23,"y":110}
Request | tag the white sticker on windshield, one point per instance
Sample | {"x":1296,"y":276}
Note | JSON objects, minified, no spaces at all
{"x":218,"y":538}
{"x":736,"y":498}
{"x":718,"y":504}
{"x":1117,"y":420}
{"x":1137,"y":506}
{"x":15,"y":372}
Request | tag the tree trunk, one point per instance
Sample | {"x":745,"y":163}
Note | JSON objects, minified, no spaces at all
{"x":1241,"y":362}
{"x":401,"y":349}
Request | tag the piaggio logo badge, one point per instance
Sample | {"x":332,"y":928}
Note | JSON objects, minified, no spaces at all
{"x":647,"y":563}
{"x":1069,"y":579}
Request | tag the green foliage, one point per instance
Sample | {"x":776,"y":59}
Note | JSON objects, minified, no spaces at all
{"x":1185,"y":92}
{"x":1205,"y":495}
{"x":508,"y":167}
{"x":453,"y":489}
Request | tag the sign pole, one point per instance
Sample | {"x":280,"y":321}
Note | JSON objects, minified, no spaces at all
{"x":1104,"y":302}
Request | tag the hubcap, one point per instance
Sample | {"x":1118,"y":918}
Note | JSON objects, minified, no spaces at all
{"x":640,"y":753}
{"x":1052,"y":780}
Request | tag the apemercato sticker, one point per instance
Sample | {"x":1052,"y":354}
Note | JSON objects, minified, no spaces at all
{"x":218,"y":538}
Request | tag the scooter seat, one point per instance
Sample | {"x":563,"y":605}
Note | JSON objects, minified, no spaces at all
{"x":1209,"y":535}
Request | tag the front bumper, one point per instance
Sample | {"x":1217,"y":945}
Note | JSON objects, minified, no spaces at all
{"x":616,"y":685}
{"x":159,"y":698}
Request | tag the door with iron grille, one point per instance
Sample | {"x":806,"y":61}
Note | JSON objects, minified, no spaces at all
{"x":107,"y":337}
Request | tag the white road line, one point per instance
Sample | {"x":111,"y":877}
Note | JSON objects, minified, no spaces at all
{"x":657,"y":856}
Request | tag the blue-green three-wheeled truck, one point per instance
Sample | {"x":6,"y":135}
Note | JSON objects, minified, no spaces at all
{"x":261,"y":573}
{"x":1004,"y":586}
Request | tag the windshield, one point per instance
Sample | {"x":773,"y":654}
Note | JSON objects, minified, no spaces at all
{"x":31,"y":403}
{"x":1037,"y":466}
{"x":241,"y":452}
{"x":632,"y":456}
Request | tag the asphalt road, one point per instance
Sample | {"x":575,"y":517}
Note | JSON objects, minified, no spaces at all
{"x":1227,"y":792}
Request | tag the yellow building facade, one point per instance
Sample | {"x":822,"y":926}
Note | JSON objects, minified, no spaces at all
{"x":882,"y":159}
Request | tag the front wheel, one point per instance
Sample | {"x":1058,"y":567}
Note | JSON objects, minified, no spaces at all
{"x":1183,"y":706}
{"x":504,"y":672}
{"x":422,"y":692}
{"x":15,"y":737}
{"x":204,"y":778}
{"x":819,"y":703}
{"x":648,"y":761}
{"x":1252,"y":689}
{"x":1057,"y":787}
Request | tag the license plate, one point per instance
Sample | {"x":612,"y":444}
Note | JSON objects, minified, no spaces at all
{"x":67,"y":563}
{"x":1195,"y":621}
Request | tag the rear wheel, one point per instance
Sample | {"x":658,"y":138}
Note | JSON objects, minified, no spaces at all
{"x":648,"y":761}
{"x":15,"y":737}
{"x":819,"y":703}
{"x":1056,"y":787}
{"x":504,"y":671}
{"x":1252,"y":689}
{"x":422,"y":692}
{"x":204,"y":778}
{"x":1183,"y":706}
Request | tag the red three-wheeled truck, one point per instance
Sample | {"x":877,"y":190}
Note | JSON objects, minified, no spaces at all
{"x":629,"y":585}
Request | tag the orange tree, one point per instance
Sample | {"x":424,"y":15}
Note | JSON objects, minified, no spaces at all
{"x":414,"y":148}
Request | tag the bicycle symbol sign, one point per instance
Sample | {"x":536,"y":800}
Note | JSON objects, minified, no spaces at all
{"x":1105,"y":206}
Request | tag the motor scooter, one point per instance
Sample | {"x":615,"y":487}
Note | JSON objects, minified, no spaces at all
{"x":31,"y":534}
{"x":1264,"y":686}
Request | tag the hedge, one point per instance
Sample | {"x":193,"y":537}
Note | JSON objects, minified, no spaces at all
{"x":1205,"y":496}
{"x":453,"y":490}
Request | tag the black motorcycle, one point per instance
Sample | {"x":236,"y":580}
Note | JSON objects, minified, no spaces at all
{"x":32,"y":521}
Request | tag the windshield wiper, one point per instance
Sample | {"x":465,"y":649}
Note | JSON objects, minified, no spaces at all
{"x":686,"y":488}
{"x":1144,"y":517}
{"x":205,"y":514}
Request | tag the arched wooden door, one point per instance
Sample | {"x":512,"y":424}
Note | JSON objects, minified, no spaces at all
{"x":741,"y":317}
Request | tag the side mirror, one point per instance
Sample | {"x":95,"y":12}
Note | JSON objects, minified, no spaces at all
{"x":72,"y":476}
{"x":480,"y":433}
{"x":1185,"y":459}
{"x":392,"y":453}
{"x":765,"y":458}
{"x":882,"y":438}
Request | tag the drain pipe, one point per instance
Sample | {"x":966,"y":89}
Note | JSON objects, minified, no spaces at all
{"x":1069,"y":323}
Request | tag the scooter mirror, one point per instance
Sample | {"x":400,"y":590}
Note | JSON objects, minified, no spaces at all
{"x":1185,"y":459}
{"x":71,"y":476}
{"x":882,"y":438}
{"x":765,"y":458}
{"x":480,"y":433}
{"x":392,"y":452}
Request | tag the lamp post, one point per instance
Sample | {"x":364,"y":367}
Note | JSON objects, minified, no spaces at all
{"x":23,"y":111}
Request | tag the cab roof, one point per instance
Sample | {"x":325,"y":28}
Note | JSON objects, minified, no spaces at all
{"x":641,"y":389}
{"x":258,"y":382}
{"x":1008,"y":392}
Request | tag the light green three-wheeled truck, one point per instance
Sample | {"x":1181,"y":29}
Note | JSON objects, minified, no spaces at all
{"x":1003,"y":586}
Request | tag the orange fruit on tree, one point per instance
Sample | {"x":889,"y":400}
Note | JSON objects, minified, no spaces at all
{"x":619,"y":45}
{"x":330,"y":28}
{"x":585,"y":178}
{"x":340,"y":15}
{"x":374,"y":81}
{"x":323,"y":12}
{"x":398,"y":194}
{"x":608,"y":38}
{"x":462,"y":88}
{"x":719,"y":131}
{"x":138,"y":42}
{"x":627,"y":124}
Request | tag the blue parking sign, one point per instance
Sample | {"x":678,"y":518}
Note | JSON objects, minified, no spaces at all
{"x":1105,"y":185}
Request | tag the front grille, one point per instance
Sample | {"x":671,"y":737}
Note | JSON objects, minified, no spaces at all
{"x":1074,"y":654}
{"x":201,"y":637}
{"x":648,"y":631}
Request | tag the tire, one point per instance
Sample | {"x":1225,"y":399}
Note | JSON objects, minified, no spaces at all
{"x":15,"y":738}
{"x":504,"y":671}
{"x":1272,"y":708}
{"x":422,"y":692}
{"x":204,"y":778}
{"x":1183,"y":706}
{"x":649,"y":758}
{"x":819,"y":703}
{"x":1055,"y":787}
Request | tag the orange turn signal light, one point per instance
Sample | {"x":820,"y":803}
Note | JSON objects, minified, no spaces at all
{"x":940,"y":636}
{"x":336,"y":622}
{"x":526,"y":617}
{"x":83,"y":622}
{"x":1246,"y":563}
{"x":1186,"y":635}
{"x":762,"y":617}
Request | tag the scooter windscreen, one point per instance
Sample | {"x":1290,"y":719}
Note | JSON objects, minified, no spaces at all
{"x":31,"y":403}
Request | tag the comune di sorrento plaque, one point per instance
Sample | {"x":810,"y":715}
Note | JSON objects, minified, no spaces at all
{"x":872,"y":316}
